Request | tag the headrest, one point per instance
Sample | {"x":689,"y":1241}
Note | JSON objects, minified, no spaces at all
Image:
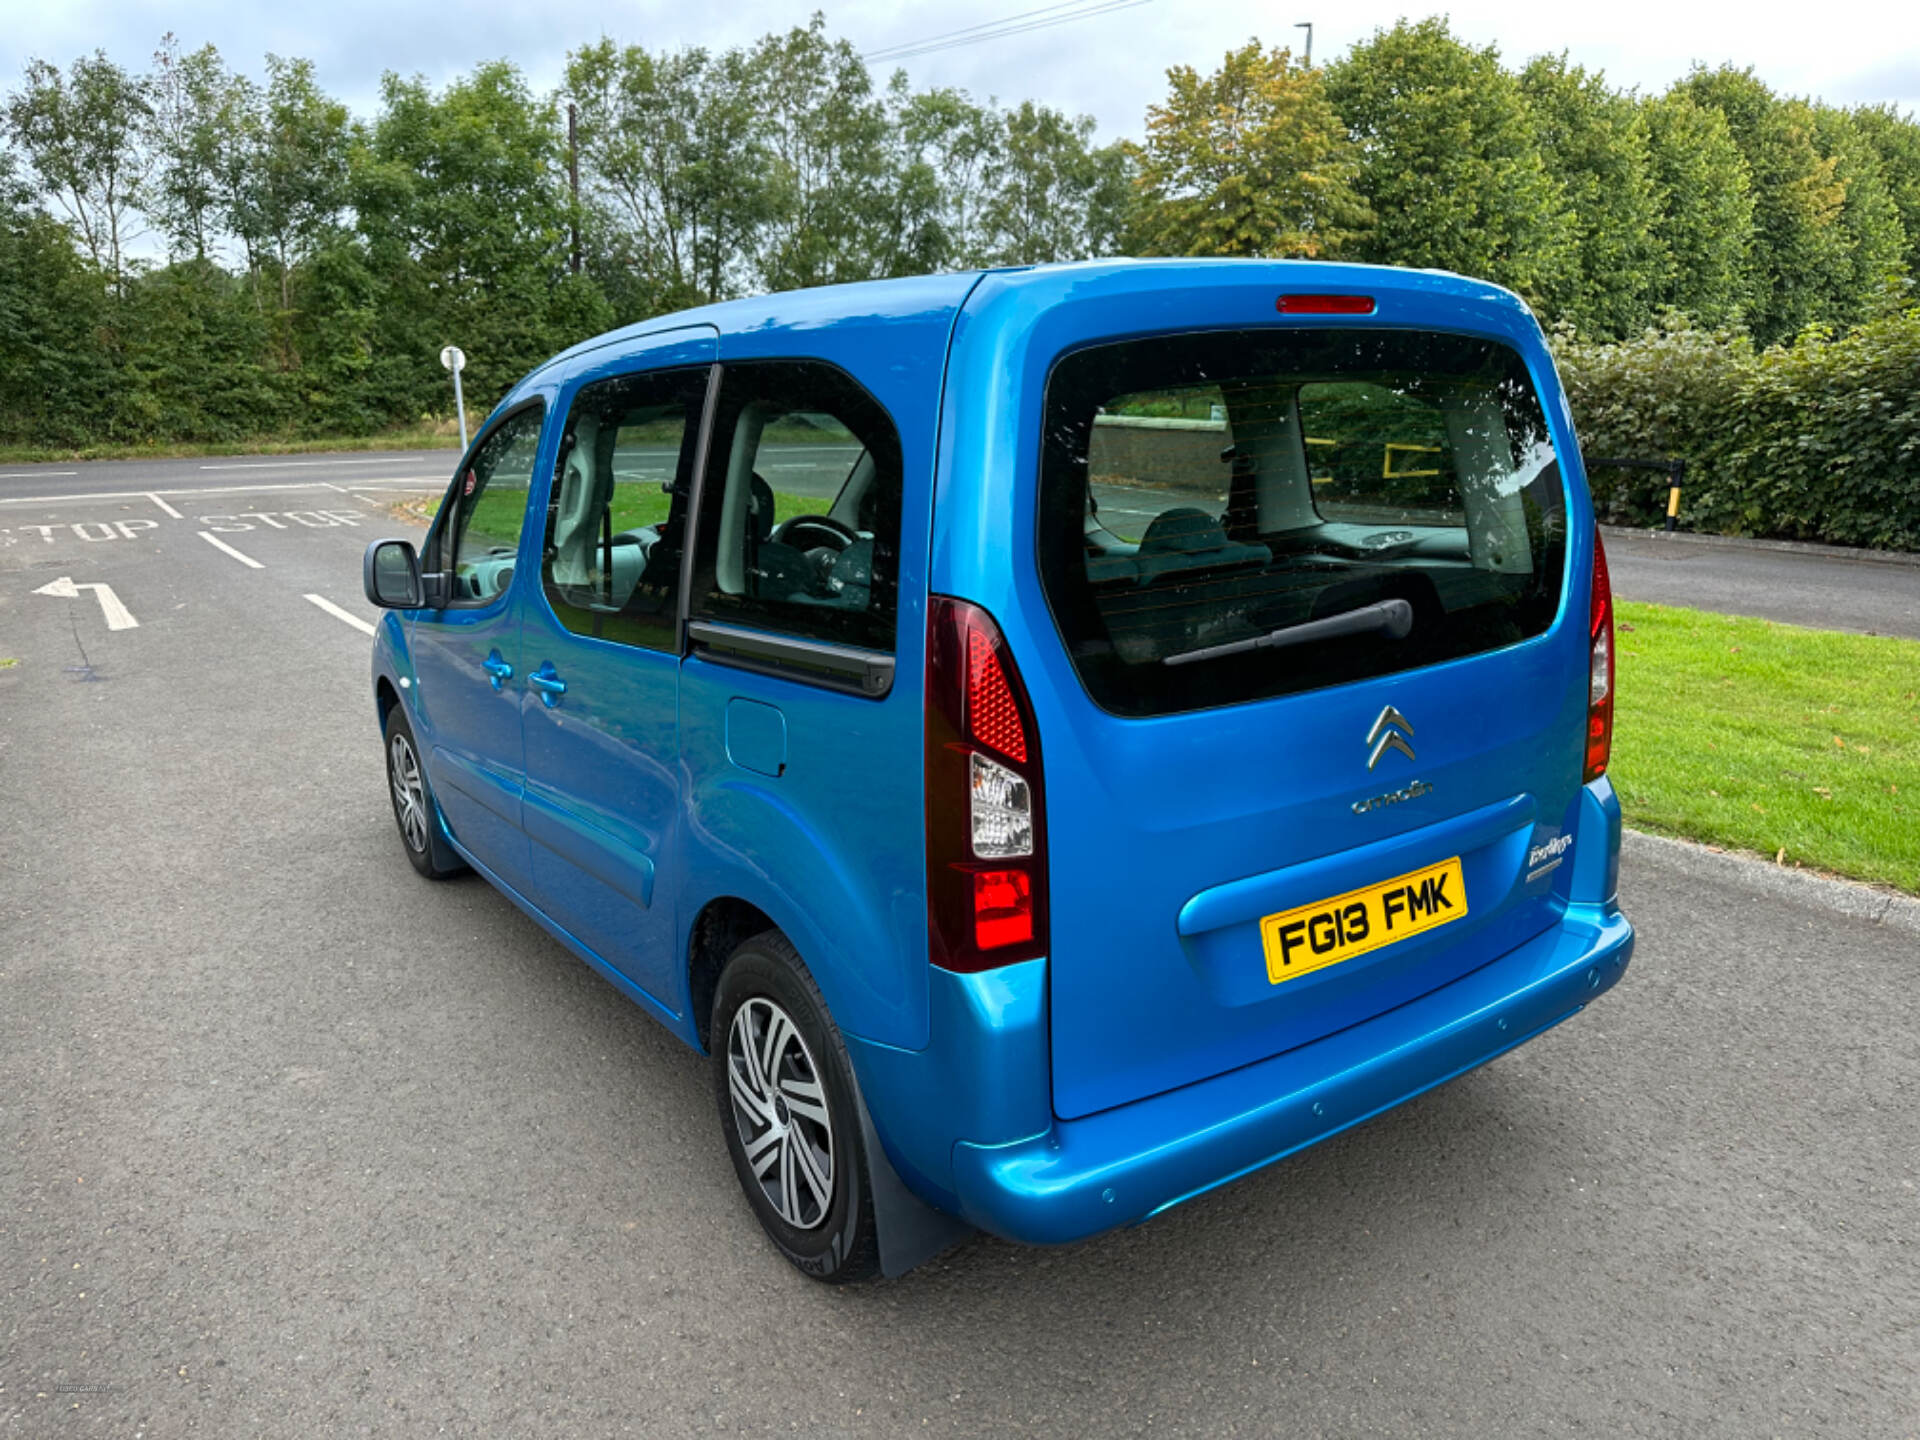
{"x":1183,"y":530}
{"x":577,"y":517}
{"x":760,"y":509}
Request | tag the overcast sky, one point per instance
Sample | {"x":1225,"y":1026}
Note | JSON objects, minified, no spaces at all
{"x":1109,"y":66}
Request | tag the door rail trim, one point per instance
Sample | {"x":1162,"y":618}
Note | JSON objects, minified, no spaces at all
{"x":839,"y":667}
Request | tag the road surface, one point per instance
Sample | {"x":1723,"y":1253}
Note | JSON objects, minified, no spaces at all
{"x":296,"y":1143}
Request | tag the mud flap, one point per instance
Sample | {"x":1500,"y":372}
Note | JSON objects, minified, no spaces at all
{"x":911,"y":1232}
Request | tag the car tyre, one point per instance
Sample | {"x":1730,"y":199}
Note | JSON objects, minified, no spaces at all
{"x":788,"y":1109}
{"x":414,"y":808}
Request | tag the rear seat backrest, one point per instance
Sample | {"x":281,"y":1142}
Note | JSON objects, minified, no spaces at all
{"x":1186,"y":538}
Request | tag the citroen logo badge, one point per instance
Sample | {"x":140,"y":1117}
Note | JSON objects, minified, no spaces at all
{"x":1389,"y":732}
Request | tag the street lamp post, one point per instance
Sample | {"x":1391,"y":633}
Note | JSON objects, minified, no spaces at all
{"x":455,"y":360}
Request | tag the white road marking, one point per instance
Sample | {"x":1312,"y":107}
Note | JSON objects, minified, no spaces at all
{"x":165,"y":506}
{"x":219,"y":544}
{"x":306,"y":464}
{"x":306,"y":519}
{"x":436,"y":481}
{"x":117,"y":529}
{"x":118,"y":617}
{"x":34,"y":474}
{"x":339,"y":614}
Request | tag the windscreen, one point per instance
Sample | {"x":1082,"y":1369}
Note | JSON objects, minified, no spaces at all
{"x":1235,"y":515}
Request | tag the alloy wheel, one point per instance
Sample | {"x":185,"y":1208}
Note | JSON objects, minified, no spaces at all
{"x":780,"y":1106}
{"x":409,"y":795}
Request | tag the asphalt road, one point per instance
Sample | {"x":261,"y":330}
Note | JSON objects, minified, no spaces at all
{"x":1792,"y":587}
{"x":293,"y":1143}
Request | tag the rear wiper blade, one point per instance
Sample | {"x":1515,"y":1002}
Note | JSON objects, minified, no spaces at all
{"x":1392,"y":618}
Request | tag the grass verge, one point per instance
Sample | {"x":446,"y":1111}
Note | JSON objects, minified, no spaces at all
{"x":439,"y":435}
{"x":1802,"y":745}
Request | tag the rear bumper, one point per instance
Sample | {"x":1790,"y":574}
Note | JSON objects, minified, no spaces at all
{"x":1081,"y":1177}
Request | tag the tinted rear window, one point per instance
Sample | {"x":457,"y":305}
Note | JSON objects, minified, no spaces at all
{"x":1235,"y":515}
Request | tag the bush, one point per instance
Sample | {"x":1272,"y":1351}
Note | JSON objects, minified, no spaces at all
{"x":1819,"y":440}
{"x":1828,"y":439}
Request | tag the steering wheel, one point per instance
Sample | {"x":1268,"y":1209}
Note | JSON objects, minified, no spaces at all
{"x":837,"y":534}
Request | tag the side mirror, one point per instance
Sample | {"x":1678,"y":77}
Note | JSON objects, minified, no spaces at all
{"x":390,"y":574}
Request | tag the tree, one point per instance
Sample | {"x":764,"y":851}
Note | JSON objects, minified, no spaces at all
{"x":1865,"y":278}
{"x":54,"y":372}
{"x":463,"y":209}
{"x":670,"y":158}
{"x":948,"y":145}
{"x":82,"y":136}
{"x":1797,"y":199}
{"x":824,"y":136}
{"x":1049,"y":195}
{"x":1452,"y":168}
{"x":1595,"y":141}
{"x":1703,"y":210}
{"x":1250,"y":160}
{"x":295,"y":171}
{"x":201,"y":113}
{"x":1896,"y":139}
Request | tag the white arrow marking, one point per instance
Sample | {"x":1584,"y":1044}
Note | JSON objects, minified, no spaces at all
{"x":117,"y":615}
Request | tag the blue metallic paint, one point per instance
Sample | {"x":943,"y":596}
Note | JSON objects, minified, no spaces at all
{"x":962,"y":1073}
{"x":605,"y":791}
{"x":1161,"y":810}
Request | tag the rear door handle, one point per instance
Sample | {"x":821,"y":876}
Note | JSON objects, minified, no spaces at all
{"x":550,"y":685}
{"x":497,"y":669}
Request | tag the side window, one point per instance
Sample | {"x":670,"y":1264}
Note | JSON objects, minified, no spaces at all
{"x":617,"y":515}
{"x":800,"y":516}
{"x":1378,"y":455}
{"x":488,"y":504}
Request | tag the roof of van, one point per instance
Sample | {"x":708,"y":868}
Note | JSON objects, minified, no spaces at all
{"x":931,"y":295}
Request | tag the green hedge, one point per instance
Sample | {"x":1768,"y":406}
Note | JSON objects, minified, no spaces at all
{"x":1819,"y":440}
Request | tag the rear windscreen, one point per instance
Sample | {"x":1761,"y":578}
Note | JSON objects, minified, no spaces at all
{"x":1235,"y":515}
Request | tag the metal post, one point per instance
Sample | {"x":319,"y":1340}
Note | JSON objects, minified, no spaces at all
{"x":573,"y":184}
{"x":455,"y":360}
{"x":1307,"y":25}
{"x":1675,"y":469}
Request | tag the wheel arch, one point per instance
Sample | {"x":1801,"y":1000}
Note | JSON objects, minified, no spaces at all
{"x":723,"y":922}
{"x":385,"y":697}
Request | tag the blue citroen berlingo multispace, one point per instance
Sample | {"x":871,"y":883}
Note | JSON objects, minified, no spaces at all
{"x":1059,"y":738}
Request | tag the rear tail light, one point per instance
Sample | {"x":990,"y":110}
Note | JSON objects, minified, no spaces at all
{"x":1600,"y":669}
{"x":986,"y":830}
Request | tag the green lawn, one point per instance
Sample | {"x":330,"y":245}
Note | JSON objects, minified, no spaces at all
{"x":1771,"y":738}
{"x":635,"y":503}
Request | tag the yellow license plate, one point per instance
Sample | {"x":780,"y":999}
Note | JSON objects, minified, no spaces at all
{"x":1312,"y":937}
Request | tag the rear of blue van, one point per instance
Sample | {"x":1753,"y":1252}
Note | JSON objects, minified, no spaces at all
{"x":1269,"y":696}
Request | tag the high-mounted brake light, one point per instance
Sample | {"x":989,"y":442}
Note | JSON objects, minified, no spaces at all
{"x":986,"y":830}
{"x":1324,"y":305}
{"x":1600,"y":668}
